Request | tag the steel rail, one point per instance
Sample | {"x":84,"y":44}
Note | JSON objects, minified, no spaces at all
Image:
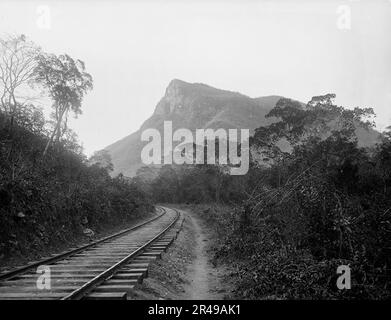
{"x":99,"y":279}
{"x":10,"y":274}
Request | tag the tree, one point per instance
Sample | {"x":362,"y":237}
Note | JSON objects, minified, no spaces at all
{"x":387,"y":133}
{"x":18,"y":60}
{"x":67,"y":82}
{"x":102,"y":159}
{"x":319,"y":118}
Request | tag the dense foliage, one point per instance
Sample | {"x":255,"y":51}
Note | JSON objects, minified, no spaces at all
{"x":49,"y":199}
{"x":49,"y":191}
{"x":295,"y":217}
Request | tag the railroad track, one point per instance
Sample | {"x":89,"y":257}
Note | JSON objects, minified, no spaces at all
{"x":105,"y":269}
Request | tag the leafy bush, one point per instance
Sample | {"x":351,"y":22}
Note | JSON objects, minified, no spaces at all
{"x":44,"y":200}
{"x":325,"y":204}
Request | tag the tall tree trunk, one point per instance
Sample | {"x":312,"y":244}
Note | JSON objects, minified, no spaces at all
{"x":58,"y":125}
{"x":12,"y":120}
{"x":61,"y":131}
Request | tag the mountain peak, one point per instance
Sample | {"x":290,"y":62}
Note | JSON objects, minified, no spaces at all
{"x":180,"y":93}
{"x":178,"y":83}
{"x":197,"y":88}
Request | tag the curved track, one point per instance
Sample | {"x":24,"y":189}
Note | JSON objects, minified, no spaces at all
{"x":105,"y":269}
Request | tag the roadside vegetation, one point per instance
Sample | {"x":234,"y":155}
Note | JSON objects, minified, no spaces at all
{"x":50,"y":192}
{"x":286,"y":226}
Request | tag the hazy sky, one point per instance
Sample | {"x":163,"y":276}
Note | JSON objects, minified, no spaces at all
{"x":133,"y":49}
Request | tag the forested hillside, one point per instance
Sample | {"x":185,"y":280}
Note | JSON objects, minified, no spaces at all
{"x":296,"y":216}
{"x":49,"y":191}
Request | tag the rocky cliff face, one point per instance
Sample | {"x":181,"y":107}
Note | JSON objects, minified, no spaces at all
{"x":196,"y":106}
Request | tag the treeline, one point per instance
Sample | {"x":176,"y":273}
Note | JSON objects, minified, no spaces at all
{"x":296,"y":216}
{"x":191,"y":184}
{"x":50,"y":192}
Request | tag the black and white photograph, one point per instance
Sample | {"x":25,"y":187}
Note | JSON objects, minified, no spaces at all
{"x":203,"y":152}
